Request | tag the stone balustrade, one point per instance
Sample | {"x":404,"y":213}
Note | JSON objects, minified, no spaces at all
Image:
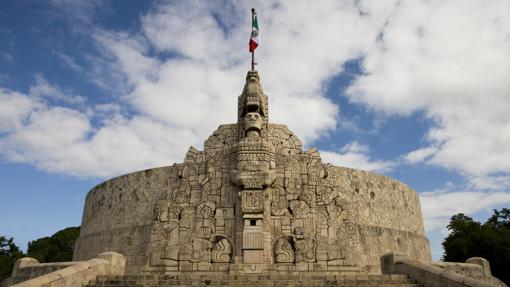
{"x":28,"y":272}
{"x":475,"y":273}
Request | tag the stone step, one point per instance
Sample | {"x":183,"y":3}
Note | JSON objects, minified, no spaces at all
{"x":254,"y":277}
{"x":360,"y":282}
{"x":180,"y":282}
{"x":254,"y":281}
{"x":260,"y":284}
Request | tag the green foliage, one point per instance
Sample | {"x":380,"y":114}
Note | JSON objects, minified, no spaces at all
{"x":490,"y":240}
{"x":57,"y":248}
{"x":463,"y":239}
{"x":500,"y":218}
{"x":9,"y":253}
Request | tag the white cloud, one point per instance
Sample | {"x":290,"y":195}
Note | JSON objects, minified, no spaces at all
{"x":110,"y":108}
{"x":356,"y":155}
{"x":69,"y":61}
{"x":42,"y":89}
{"x":439,"y":206}
{"x":7,"y":57}
{"x":189,"y":29}
{"x":47,"y":129}
{"x":63,"y":140}
{"x":181,"y":72}
{"x":80,"y":11}
{"x":14,"y":108}
{"x":493,"y":182}
{"x":184,"y":97}
{"x":448,"y":59}
{"x":420,"y":155}
{"x":211,"y":40}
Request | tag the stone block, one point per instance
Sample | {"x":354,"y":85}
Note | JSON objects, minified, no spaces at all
{"x":486,"y":268}
{"x":22,"y":263}
{"x":253,"y":256}
{"x":117,"y":262}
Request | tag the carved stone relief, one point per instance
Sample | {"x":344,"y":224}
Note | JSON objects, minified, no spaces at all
{"x":222,"y":251}
{"x":200,"y":250}
{"x":253,"y":194}
{"x":305,"y":250}
{"x":279,"y":206}
{"x":299,"y":209}
{"x":284,"y":251}
{"x":165,"y":235}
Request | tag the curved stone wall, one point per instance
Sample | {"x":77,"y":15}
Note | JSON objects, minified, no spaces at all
{"x":388,"y":216}
{"x":381,"y":201}
{"x":252,"y":201}
{"x":118,"y":214}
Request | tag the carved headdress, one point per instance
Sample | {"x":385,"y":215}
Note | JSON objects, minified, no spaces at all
{"x":253,"y":100}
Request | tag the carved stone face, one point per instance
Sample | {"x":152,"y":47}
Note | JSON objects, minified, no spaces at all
{"x":252,"y":121}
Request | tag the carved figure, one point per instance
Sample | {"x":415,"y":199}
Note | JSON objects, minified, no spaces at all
{"x":349,"y":234}
{"x":252,"y":124}
{"x":169,"y":219}
{"x":255,"y":163}
{"x":336,"y":213}
{"x":206,"y":210}
{"x":326,"y":194}
{"x":279,"y":206}
{"x":283,"y":251}
{"x":164,"y":250}
{"x":222,"y":251}
{"x":205,"y":218}
{"x":305,"y":250}
{"x":200,"y":250}
{"x":299,"y":208}
{"x":170,"y":256}
{"x":181,"y":193}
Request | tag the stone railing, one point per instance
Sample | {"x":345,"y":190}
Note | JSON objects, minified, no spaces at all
{"x":28,"y":272}
{"x":474,"y":273}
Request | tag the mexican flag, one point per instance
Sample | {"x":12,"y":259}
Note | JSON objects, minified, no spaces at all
{"x":254,"y":37}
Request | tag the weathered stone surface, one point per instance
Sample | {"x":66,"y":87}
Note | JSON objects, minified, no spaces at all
{"x":254,"y":280}
{"x":252,"y":201}
{"x":441,"y":274}
{"x":65,"y":274}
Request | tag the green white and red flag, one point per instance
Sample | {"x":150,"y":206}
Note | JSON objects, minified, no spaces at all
{"x":254,"y":37}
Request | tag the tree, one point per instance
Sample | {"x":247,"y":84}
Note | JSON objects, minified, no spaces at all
{"x":463,"y":240}
{"x":9,"y":253}
{"x":491,"y":240}
{"x":57,"y":248}
{"x":500,"y":218}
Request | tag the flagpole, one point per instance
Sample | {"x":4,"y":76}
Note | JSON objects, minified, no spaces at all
{"x":252,"y":52}
{"x":253,"y":60}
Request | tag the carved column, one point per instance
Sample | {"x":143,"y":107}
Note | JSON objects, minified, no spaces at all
{"x":254,"y":170}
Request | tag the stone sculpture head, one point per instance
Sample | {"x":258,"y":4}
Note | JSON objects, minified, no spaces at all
{"x":252,"y":124}
{"x":252,"y":89}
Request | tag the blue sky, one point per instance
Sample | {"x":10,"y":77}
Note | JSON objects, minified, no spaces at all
{"x":89,"y":90}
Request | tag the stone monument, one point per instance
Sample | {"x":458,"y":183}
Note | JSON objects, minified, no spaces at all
{"x":253,"y":201}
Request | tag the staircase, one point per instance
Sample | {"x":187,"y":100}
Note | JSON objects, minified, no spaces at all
{"x":302,"y":280}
